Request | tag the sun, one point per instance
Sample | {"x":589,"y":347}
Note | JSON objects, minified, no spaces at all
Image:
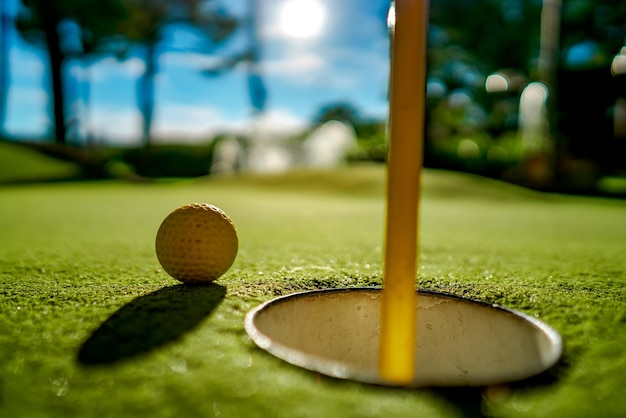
{"x":301,"y":18}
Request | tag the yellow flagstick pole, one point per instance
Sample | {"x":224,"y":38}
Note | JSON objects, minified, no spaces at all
{"x":406,"y":132}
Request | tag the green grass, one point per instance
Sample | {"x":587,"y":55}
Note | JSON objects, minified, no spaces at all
{"x":90,"y":326}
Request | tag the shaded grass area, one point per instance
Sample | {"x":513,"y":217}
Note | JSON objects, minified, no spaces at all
{"x":91,"y":326}
{"x":19,"y":164}
{"x":149,"y":322}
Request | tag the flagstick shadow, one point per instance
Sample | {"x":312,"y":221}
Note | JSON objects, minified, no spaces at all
{"x":149,"y":322}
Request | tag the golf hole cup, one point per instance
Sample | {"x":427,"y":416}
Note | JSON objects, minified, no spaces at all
{"x":197,"y":243}
{"x":460,"y":342}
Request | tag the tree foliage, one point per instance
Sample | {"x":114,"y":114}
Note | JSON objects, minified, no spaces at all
{"x":494,"y":33}
{"x":132,"y":21}
{"x":144,"y":24}
{"x":40,"y":22}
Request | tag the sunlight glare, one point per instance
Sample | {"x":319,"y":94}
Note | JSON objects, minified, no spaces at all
{"x":302,"y":18}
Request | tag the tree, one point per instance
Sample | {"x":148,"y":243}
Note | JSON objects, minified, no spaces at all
{"x":40,"y":22}
{"x":563,"y":44}
{"x":496,"y":33}
{"x":144,"y":24}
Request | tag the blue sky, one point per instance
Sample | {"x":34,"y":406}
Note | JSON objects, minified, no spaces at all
{"x":342,"y":58}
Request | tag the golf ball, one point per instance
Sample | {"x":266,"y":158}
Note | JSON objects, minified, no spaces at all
{"x":196,"y":243}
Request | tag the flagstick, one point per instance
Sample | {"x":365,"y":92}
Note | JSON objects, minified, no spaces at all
{"x":406,"y":131}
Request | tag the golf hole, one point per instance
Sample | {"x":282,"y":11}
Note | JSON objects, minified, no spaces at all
{"x":460,"y":342}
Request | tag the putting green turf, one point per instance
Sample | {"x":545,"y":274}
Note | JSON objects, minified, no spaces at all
{"x":90,"y":326}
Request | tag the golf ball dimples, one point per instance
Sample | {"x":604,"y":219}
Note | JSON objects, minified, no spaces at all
{"x":196,"y":243}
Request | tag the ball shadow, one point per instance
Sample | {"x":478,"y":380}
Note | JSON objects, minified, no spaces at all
{"x":149,"y":322}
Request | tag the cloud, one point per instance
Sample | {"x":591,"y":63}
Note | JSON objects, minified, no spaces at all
{"x":192,"y":123}
{"x":185,"y":122}
{"x":279,"y":122}
{"x":119,"y":126}
{"x":26,"y":111}
{"x":188,"y":123}
{"x":26,"y":64}
{"x":110,"y":67}
{"x":294,"y":66}
{"x":334,"y":67}
{"x":31,"y":97}
{"x":190,"y":60}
